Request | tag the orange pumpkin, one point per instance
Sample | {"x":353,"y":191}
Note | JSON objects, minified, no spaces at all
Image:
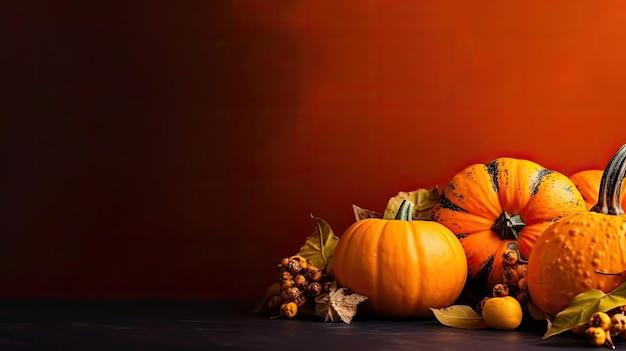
{"x":588,"y":183}
{"x":576,"y":253}
{"x":403,"y":266}
{"x":502,"y":204}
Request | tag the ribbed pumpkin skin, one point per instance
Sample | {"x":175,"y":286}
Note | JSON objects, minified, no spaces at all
{"x":588,"y":183}
{"x":403,"y":267}
{"x":476,"y":197}
{"x":566,"y":256}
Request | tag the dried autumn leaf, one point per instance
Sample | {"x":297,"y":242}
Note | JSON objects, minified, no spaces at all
{"x":535,"y":312}
{"x":361,"y":213}
{"x":583,"y":306}
{"x":337,"y":305}
{"x":423,"y":199}
{"x":459,"y":316}
{"x":319,"y":247}
{"x":272,"y":290}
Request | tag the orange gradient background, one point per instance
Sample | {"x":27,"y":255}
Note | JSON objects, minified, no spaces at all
{"x":172,"y":150}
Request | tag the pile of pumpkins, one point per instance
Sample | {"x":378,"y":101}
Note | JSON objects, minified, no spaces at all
{"x":566,"y":228}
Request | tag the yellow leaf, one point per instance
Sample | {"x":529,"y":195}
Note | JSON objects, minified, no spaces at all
{"x":459,"y":316}
{"x":423,"y":199}
{"x":583,"y":306}
{"x":319,"y":247}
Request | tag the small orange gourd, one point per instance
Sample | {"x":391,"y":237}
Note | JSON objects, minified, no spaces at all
{"x":588,"y":183}
{"x":574,"y":254}
{"x":403,"y":266}
{"x":504,"y":204}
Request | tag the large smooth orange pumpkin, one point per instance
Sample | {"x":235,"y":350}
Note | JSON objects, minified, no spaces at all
{"x":404,"y":267}
{"x":576,"y":253}
{"x":505,"y":203}
{"x":588,"y":183}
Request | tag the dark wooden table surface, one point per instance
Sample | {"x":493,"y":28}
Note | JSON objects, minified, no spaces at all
{"x":230,"y":325}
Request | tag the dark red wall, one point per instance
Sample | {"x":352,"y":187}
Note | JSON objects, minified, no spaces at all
{"x":176,"y":149}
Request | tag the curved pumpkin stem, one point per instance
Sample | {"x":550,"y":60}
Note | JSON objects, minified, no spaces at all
{"x":611,"y":185}
{"x":405,"y":212}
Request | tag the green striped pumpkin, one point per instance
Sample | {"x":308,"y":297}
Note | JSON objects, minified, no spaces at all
{"x":504,"y":204}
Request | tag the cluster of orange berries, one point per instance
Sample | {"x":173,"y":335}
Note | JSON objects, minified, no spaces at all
{"x":602,"y":327}
{"x":514,"y":275}
{"x":300,"y":282}
{"x":513,"y":282}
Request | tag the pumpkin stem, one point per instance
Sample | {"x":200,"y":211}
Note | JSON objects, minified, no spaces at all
{"x":611,"y":185}
{"x":405,"y":212}
{"x":508,"y":226}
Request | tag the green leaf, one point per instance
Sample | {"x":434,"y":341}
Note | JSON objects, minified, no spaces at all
{"x":423,"y":199}
{"x":583,"y":306}
{"x":319,"y":247}
{"x":459,"y":316}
